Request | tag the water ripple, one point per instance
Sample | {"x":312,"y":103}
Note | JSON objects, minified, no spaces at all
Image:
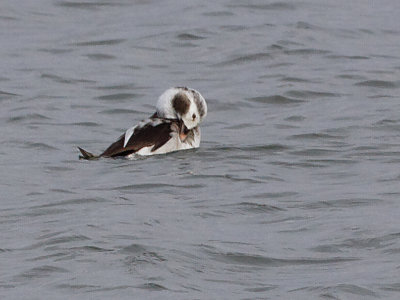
{"x":120,"y":111}
{"x":79,"y":201}
{"x":28,"y":117}
{"x":6,"y":95}
{"x":260,"y":260}
{"x":39,"y":146}
{"x":57,"y":241}
{"x":61,"y":79}
{"x":42,"y":271}
{"x":189,"y":37}
{"x":380,"y":242}
{"x":380,"y":84}
{"x":306,"y":51}
{"x":341,"y":203}
{"x":89,"y":5}
{"x":147,"y":186}
{"x":245,"y":59}
{"x":151,"y":286}
{"x":100,"y":42}
{"x":251,"y":207}
{"x":118,"y":96}
{"x":315,"y":136}
{"x":267,"y":6}
{"x":305,"y":94}
{"x":275,"y":99}
{"x":100,"y":56}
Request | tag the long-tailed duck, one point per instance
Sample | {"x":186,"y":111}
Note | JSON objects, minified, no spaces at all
{"x":174,"y":126}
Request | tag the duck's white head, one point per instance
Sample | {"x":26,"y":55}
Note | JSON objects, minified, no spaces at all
{"x":184,"y":104}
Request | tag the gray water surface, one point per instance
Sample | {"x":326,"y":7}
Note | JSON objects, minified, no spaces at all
{"x":293,"y":194}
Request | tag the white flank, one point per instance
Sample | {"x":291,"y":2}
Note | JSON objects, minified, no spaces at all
{"x":174,"y":144}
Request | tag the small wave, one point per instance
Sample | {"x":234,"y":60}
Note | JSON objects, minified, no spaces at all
{"x":88,"y":5}
{"x":380,"y":96}
{"x":261,"y":289}
{"x":351,"y":76}
{"x":388,"y":124}
{"x":120,"y":111}
{"x":314,"y":136}
{"x":257,"y":148}
{"x":42,"y":271}
{"x":55,"y":50}
{"x":394,"y":287}
{"x":298,"y":164}
{"x":189,"y":37}
{"x":245,"y":59}
{"x":150,"y":186}
{"x":332,"y":161}
{"x":341,"y":57}
{"x":138,"y":255}
{"x":334,"y":292}
{"x":272,"y":195}
{"x":94,"y":249}
{"x":256,"y":207}
{"x":111,"y":288}
{"x":38,"y":146}
{"x":61,"y":79}
{"x":62,"y":190}
{"x":314,"y":152}
{"x":368,"y":243}
{"x":100,"y":56}
{"x":101,"y":42}
{"x":267,"y":148}
{"x":221,"y":13}
{"x":306,"y":94}
{"x":77,"y":201}
{"x":6,"y":95}
{"x":341,"y":203}
{"x":260,"y":260}
{"x":134,"y":248}
{"x":306,"y":25}
{"x":380,"y":84}
{"x":85,"y":124}
{"x":306,"y":51}
{"x":327,"y":249}
{"x":244,"y":126}
{"x":118,"y":96}
{"x":151,"y":286}
{"x":56,"y":241}
{"x":52,"y":169}
{"x":267,"y":6}
{"x":295,"y":118}
{"x":8,"y":18}
{"x":117,"y":87}
{"x":77,"y":287}
{"x":295,"y":79}
{"x":275,"y":99}
{"x":28,"y":117}
{"x":352,"y":289}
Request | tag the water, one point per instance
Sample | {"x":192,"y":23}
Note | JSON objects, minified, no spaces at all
{"x":293,"y":194}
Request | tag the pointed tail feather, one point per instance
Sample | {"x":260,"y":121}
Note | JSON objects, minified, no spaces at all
{"x":86,"y":155}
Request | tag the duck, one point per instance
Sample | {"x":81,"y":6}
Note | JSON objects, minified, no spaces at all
{"x":174,"y":126}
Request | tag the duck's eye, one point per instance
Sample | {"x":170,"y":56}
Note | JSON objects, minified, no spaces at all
{"x":193,"y":116}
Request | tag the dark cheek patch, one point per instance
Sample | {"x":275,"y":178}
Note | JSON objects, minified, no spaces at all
{"x":181,"y":103}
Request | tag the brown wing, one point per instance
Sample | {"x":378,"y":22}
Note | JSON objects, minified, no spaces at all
{"x":145,"y":136}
